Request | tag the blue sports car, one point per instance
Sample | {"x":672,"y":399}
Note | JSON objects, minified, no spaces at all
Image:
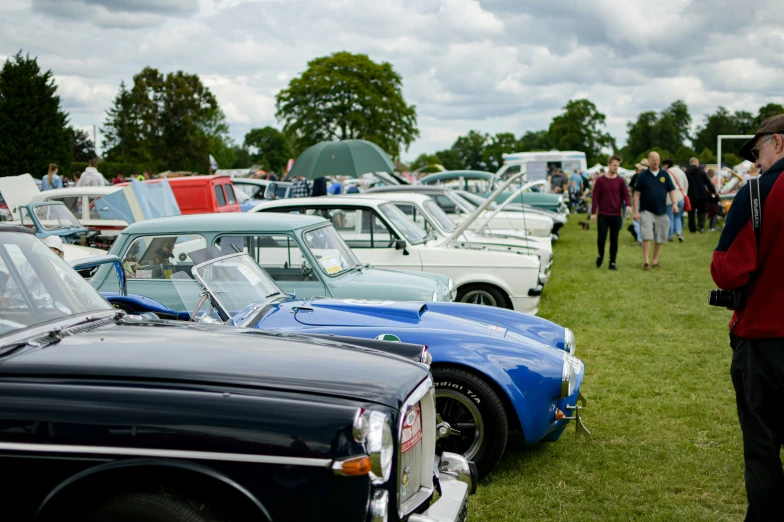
{"x":495,"y":370}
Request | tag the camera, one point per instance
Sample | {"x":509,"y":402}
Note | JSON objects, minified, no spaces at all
{"x":730,"y":299}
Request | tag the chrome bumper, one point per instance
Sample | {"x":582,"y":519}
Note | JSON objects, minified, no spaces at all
{"x":458,"y":479}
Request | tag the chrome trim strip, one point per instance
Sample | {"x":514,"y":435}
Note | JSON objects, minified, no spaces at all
{"x":425,"y":387}
{"x":165,"y":453}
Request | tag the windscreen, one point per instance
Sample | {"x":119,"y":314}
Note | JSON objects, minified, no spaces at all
{"x":413,"y":233}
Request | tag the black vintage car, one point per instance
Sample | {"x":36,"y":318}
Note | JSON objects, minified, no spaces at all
{"x":113,"y":417}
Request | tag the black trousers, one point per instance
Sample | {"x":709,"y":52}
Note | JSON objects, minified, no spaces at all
{"x":757,"y":372}
{"x":613,"y":224}
{"x":700,"y":208}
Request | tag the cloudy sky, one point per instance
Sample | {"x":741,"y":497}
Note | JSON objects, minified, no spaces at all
{"x":492,"y":65}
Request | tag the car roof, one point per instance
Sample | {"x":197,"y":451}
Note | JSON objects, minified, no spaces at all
{"x":259,"y":182}
{"x":230,"y":221}
{"x":78,"y":191}
{"x":324,"y":200}
{"x":15,"y":229}
{"x":453,"y":174}
{"x":400,"y":195}
{"x":422,"y":189}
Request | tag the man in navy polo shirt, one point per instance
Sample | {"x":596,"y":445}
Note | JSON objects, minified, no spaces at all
{"x":650,"y":203}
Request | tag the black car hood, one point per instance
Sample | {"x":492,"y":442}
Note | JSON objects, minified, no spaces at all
{"x":188,"y":353}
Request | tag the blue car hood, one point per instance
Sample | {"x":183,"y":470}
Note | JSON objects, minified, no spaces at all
{"x":383,"y":314}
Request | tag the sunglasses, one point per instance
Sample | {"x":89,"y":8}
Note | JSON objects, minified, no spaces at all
{"x":755,"y":150}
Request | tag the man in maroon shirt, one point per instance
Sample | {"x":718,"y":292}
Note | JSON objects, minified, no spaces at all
{"x":609,"y":192}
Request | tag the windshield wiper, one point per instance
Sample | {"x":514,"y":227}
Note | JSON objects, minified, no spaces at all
{"x":55,"y":335}
{"x":273,"y":294}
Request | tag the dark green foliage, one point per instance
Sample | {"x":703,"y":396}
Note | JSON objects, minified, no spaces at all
{"x":664,"y":132}
{"x":272,"y":150}
{"x":580,"y":128}
{"x":82,"y":145}
{"x":171,"y":122}
{"x":108,"y":169}
{"x":348,"y":96}
{"x":33,"y":128}
{"x":470,"y":150}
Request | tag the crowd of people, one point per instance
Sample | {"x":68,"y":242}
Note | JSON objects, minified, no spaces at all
{"x":658,"y":196}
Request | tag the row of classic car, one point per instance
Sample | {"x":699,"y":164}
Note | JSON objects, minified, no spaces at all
{"x":107,"y":416}
{"x":493,"y":370}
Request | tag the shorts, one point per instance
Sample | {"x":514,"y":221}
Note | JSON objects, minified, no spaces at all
{"x":653,"y":227}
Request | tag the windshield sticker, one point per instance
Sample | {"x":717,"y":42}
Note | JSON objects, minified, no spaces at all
{"x":249,"y":274}
{"x":330,"y":264}
{"x":367,"y":302}
{"x":144,"y":274}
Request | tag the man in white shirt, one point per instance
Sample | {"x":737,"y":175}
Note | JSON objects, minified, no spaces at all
{"x":682,"y":188}
{"x":91,"y":177}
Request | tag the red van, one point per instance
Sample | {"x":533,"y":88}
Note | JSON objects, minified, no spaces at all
{"x":203,"y":194}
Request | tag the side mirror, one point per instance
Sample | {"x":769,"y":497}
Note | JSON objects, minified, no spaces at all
{"x":400,"y":244}
{"x":92,"y":262}
{"x":271,"y":192}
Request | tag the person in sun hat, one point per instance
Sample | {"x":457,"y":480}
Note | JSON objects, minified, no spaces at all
{"x":55,"y":244}
{"x":749,"y":261}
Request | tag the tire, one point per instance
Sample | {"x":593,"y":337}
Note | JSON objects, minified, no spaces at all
{"x":147,"y":507}
{"x":468,"y":402}
{"x":481,"y":295}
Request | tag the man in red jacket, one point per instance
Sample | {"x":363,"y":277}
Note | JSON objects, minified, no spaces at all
{"x":609,"y":193}
{"x":744,"y":263}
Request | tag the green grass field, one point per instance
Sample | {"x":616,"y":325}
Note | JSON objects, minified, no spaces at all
{"x":661,"y":408}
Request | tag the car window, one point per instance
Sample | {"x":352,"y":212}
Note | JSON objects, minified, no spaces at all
{"x":439,"y":215}
{"x":230,"y":194}
{"x":413,"y":213}
{"x":446,"y":204}
{"x":278,"y":254}
{"x":344,"y":220}
{"x":372,"y":233}
{"x":72,"y":203}
{"x":24,"y":216}
{"x":37,"y":286}
{"x":219,"y":196}
{"x":412,"y":233}
{"x":330,"y":250}
{"x":158,"y":257}
{"x":55,"y":217}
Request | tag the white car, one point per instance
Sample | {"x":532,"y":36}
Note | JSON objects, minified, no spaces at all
{"x":83,"y":203}
{"x":380,"y":234}
{"x":428,"y":215}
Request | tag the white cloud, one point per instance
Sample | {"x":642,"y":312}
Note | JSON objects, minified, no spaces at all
{"x":491,"y":65}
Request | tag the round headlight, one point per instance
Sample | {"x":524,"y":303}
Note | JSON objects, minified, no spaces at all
{"x":380,"y":447}
{"x":569,"y":343}
{"x":571,"y":368}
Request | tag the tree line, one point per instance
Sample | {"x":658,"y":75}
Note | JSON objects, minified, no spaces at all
{"x":172,"y":121}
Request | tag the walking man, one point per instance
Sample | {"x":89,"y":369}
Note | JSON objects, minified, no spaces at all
{"x":699,"y":187}
{"x":749,"y":261}
{"x":682,"y":185}
{"x":609,"y":194}
{"x":650,"y":203}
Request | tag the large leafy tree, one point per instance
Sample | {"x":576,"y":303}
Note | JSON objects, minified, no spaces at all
{"x":33,"y":127}
{"x":270,"y":146}
{"x":348,"y":96}
{"x":500,"y":144}
{"x":534,"y":141}
{"x":664,"y":132}
{"x":470,"y":149}
{"x":580,"y":127}
{"x":723,"y":121}
{"x":767,"y":111}
{"x":82,"y":145}
{"x":172,"y":122}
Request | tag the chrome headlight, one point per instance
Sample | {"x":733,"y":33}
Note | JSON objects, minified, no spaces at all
{"x":569,"y":342}
{"x":380,"y":446}
{"x":572,"y":366}
{"x":435,"y":297}
{"x":451,"y":285}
